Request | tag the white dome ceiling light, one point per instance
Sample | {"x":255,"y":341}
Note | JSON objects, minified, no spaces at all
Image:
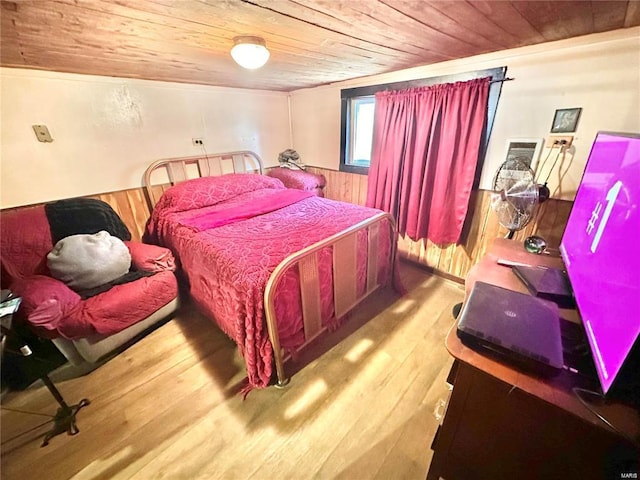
{"x":250,"y":52}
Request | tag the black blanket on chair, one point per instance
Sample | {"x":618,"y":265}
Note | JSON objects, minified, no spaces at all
{"x":76,"y":216}
{"x":84,"y":216}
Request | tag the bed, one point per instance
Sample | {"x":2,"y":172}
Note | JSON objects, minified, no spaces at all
{"x":273,"y":267}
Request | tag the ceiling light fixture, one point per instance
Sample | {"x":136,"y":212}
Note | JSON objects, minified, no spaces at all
{"x":250,"y":52}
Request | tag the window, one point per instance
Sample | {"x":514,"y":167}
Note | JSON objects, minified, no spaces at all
{"x":358,"y":108}
{"x":361,"y":111}
{"x":356,"y":137}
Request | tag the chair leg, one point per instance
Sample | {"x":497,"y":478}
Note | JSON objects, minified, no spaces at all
{"x":65,"y":418}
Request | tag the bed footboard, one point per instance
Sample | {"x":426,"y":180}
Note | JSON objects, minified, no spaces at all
{"x":345,"y":291}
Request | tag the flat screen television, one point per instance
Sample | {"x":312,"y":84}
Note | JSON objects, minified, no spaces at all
{"x":601,"y":251}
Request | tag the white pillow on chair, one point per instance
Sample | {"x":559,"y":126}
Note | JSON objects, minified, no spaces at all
{"x":87,"y":261}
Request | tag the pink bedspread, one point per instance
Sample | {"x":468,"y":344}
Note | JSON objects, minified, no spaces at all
{"x":228,"y":266}
{"x":271,"y":201}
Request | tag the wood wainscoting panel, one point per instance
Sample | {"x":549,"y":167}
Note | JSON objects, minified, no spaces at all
{"x":132,"y":208}
{"x":130,"y":205}
{"x":481,"y":228}
{"x":451,"y":261}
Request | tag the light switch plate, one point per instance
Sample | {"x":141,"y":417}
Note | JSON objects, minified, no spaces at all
{"x":42,"y":133}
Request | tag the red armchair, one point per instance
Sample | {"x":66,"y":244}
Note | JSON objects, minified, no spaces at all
{"x":84,"y":330}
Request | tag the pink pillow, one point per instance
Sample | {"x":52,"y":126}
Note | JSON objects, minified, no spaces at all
{"x":45,"y":301}
{"x":298,"y":179}
{"x":207,"y":191}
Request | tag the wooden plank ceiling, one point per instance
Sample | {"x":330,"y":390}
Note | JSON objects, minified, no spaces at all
{"x":312,"y":42}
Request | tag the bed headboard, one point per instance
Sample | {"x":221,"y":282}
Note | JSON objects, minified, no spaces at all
{"x":162,"y":174}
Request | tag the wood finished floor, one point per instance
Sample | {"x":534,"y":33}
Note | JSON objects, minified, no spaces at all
{"x":167,"y":407}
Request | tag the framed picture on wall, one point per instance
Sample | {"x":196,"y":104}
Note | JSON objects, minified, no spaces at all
{"x":565,"y":120}
{"x":527,"y":150}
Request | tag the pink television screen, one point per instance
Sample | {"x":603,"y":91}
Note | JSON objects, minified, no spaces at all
{"x":601,"y":251}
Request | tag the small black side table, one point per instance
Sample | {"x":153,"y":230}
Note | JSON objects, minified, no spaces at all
{"x":65,"y":418}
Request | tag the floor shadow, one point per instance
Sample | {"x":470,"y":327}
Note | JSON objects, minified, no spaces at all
{"x":212,"y":363}
{"x":314,"y":383}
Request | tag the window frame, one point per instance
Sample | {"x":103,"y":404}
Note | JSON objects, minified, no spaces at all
{"x":498,"y":76}
{"x":350,"y":133}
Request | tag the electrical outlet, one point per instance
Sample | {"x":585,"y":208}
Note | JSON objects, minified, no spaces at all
{"x":559,"y":140}
{"x":197,"y":142}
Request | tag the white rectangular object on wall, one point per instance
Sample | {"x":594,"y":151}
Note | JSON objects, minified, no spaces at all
{"x":526,"y":150}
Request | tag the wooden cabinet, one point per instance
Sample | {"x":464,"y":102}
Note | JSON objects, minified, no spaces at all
{"x":503,"y":423}
{"x":493,"y":430}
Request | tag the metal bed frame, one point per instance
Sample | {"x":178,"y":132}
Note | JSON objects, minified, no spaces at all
{"x":344,"y":245}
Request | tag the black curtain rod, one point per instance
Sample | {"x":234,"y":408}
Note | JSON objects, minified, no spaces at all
{"x":507,"y":79}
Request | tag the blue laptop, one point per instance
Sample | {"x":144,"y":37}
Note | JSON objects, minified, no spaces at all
{"x":519,"y":328}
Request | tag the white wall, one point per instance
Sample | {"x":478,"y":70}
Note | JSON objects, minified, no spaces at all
{"x":107,"y":130}
{"x":600,"y":73}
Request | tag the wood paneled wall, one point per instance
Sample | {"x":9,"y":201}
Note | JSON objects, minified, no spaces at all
{"x":132,"y":208}
{"x":452,"y":261}
{"x":482,"y":226}
{"x":130,"y":205}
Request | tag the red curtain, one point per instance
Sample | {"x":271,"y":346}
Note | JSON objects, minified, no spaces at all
{"x":425,"y":151}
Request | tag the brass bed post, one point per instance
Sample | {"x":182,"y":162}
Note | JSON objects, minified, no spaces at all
{"x":206,"y":165}
{"x":309,"y":283}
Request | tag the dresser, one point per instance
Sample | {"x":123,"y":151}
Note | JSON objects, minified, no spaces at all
{"x":505,"y":423}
